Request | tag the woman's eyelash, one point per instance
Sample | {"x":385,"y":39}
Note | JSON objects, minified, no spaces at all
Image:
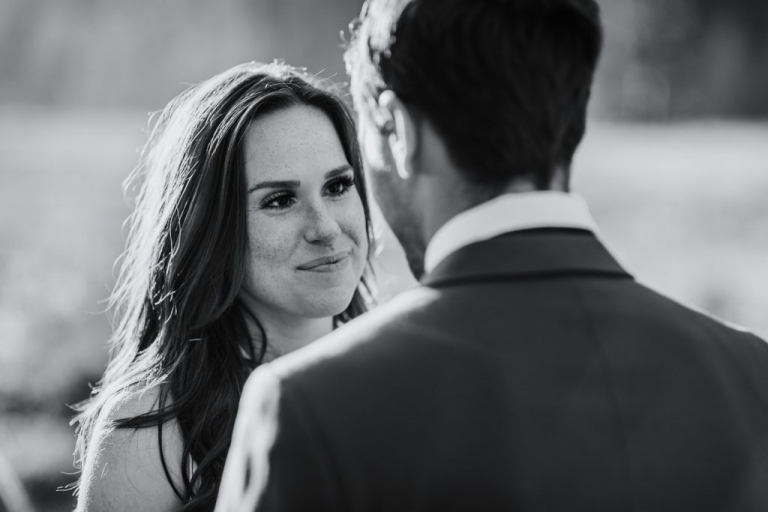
{"x":268,"y":202}
{"x":277,"y":201}
{"x":346,"y":182}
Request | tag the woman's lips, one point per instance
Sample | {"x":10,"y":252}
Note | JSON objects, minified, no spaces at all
{"x":327,"y":263}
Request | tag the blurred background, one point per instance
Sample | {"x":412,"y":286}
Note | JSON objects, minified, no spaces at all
{"x":675,"y":167}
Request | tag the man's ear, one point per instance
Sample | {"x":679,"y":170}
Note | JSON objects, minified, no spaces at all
{"x":403,"y":133}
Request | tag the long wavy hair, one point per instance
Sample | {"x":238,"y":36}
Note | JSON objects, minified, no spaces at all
{"x":180,"y":324}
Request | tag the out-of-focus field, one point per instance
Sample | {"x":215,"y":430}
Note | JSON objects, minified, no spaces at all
{"x":684,"y":207}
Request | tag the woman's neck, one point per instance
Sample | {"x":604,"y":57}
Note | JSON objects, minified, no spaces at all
{"x":286,"y":333}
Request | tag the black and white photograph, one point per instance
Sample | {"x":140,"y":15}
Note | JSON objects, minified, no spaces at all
{"x":384,"y":255}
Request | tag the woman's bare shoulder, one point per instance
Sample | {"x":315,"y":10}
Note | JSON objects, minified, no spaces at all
{"x":123,"y":468}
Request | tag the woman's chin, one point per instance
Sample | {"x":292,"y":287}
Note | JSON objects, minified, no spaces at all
{"x":325,"y":304}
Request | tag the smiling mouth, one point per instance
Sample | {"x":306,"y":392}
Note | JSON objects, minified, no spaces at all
{"x":327,"y":263}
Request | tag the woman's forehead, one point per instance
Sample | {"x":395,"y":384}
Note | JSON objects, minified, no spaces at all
{"x":291,"y":142}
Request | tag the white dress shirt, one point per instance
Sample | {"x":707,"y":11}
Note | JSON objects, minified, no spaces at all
{"x":509,"y":212}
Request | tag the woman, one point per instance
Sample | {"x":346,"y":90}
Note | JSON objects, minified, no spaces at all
{"x":251,"y":238}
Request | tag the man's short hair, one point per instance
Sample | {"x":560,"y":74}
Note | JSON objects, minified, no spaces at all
{"x":504,"y":82}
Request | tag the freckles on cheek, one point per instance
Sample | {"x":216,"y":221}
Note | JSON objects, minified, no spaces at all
{"x":353,"y":221}
{"x":270,"y":249}
{"x":269,"y":264}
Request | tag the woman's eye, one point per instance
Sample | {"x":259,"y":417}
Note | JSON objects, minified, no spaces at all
{"x":340,"y":186}
{"x":280,"y":202}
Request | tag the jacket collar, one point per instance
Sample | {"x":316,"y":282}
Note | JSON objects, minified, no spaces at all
{"x":509,"y":212}
{"x":527,"y":254}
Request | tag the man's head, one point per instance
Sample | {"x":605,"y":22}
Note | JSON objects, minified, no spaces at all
{"x":495,"y":90}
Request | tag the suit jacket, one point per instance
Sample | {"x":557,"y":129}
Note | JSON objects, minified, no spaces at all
{"x":530,"y":372}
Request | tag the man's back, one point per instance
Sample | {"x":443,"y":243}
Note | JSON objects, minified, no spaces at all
{"x":530,"y":373}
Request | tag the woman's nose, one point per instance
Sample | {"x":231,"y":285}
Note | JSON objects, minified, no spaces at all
{"x":322,"y":227}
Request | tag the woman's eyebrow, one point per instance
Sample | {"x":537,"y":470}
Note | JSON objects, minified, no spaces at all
{"x":275,"y":184}
{"x":336,"y":171}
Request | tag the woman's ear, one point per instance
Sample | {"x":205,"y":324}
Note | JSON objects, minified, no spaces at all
{"x":403,"y":133}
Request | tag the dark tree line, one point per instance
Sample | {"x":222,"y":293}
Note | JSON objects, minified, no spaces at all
{"x":668,"y":58}
{"x":710,"y":57}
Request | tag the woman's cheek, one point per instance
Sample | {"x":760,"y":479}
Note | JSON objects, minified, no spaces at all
{"x":270,"y":241}
{"x":355,"y":219}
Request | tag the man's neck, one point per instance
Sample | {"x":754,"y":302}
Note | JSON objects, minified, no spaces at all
{"x":455,"y":195}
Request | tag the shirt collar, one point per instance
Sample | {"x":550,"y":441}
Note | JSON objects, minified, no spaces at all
{"x":509,"y":212}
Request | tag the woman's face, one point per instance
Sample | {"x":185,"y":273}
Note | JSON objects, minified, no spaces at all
{"x":306,"y":224}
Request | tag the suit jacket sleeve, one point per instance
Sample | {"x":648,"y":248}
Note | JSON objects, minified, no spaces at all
{"x":278,"y":460}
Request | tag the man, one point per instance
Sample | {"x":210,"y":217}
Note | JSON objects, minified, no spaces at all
{"x":529,"y":372}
